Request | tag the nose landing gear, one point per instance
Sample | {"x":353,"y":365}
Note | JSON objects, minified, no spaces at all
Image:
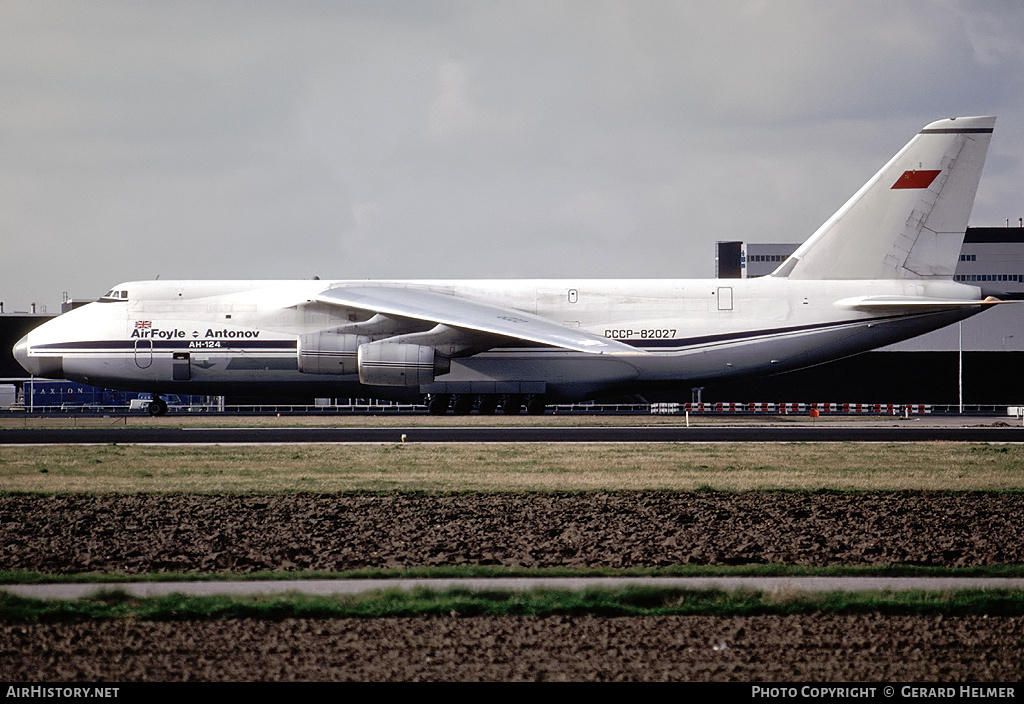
{"x":157,"y":407}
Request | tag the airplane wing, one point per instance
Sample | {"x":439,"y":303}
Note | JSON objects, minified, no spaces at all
{"x":467,"y":314}
{"x":919,"y":303}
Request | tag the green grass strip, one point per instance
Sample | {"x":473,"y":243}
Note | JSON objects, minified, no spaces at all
{"x":630,"y":602}
{"x":485,"y":571}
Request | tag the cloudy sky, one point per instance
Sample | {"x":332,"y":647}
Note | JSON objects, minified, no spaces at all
{"x":467,"y":138}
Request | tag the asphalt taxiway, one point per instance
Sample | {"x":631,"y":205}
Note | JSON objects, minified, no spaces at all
{"x":806,"y":432}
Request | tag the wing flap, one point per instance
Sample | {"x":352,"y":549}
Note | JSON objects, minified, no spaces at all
{"x":469,"y":314}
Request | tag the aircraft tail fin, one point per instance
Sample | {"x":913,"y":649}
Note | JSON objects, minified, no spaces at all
{"x":908,"y":221}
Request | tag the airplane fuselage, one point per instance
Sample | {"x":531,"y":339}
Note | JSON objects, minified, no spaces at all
{"x":245,"y":337}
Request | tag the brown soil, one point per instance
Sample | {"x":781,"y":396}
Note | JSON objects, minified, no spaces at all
{"x":584,"y":648}
{"x":334,"y":532}
{"x":230,"y":533}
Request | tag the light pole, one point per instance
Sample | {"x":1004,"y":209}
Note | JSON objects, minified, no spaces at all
{"x":960,"y":363}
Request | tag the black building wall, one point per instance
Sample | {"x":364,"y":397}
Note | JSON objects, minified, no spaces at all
{"x":728,"y":260}
{"x":889,"y":377}
{"x":13,"y":327}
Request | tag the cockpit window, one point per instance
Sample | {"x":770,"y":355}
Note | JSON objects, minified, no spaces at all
{"x":114,"y":295}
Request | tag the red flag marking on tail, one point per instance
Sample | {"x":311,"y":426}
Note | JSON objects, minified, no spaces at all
{"x":915,"y":179}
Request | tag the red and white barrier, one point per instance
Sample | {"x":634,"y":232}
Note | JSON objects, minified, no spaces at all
{"x":838,"y":408}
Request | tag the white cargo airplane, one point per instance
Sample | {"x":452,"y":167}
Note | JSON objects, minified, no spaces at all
{"x":878,"y":271}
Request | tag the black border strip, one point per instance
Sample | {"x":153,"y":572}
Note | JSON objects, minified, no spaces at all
{"x":176,"y":344}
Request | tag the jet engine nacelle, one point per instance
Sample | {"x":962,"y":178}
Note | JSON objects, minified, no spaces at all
{"x":329,"y":353}
{"x":386,"y":363}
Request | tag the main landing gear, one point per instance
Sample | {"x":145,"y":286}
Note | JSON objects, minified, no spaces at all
{"x":485,"y":404}
{"x":157,"y":407}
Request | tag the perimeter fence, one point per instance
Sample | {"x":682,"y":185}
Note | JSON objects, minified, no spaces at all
{"x":384,"y":408}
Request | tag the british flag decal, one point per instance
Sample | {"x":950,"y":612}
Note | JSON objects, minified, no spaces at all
{"x":143,"y":324}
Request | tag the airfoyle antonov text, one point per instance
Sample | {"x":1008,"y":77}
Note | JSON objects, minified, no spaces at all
{"x":231,"y":333}
{"x":157,"y":333}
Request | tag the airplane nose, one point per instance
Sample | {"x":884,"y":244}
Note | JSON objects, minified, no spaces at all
{"x":21,"y":353}
{"x":49,"y":366}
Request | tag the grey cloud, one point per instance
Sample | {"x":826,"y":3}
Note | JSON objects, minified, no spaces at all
{"x":444,"y":138}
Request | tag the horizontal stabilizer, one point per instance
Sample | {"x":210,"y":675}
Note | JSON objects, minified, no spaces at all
{"x":916,"y":303}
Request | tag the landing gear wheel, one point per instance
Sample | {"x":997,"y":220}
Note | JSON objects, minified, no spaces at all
{"x":438,"y":404}
{"x":512,"y":405}
{"x":157,"y":407}
{"x":536,"y":406}
{"x":462,"y":405}
{"x":488,"y":404}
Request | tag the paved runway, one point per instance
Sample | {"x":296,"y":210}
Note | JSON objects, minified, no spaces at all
{"x":640,"y":433}
{"x":330,"y":587}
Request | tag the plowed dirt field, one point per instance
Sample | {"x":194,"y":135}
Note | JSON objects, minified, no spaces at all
{"x":198,"y":534}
